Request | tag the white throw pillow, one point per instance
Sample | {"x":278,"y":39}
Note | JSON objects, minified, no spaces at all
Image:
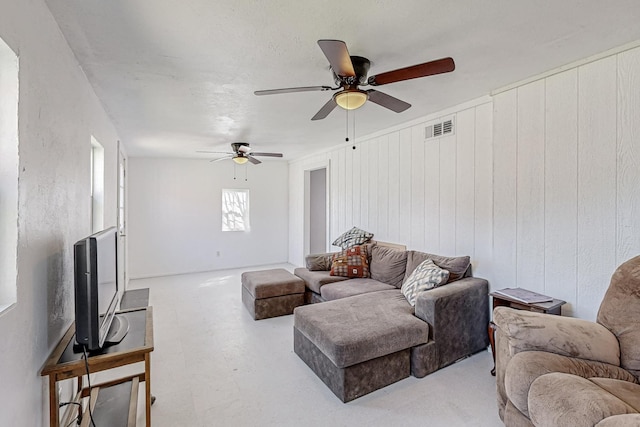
{"x":353,"y":237}
{"x":427,"y":275}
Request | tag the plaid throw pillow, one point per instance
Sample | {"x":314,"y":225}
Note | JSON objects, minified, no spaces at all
{"x":353,"y":237}
{"x":426,"y":276}
{"x":352,"y":262}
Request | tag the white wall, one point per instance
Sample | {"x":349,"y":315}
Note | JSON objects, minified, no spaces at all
{"x":567,"y":205}
{"x":58,"y":113}
{"x":175,"y":216}
{"x":539,"y":185}
{"x":408,"y":191}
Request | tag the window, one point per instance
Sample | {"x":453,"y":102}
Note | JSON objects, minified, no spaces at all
{"x":97,"y":186}
{"x":235,"y":210}
{"x":8,"y":175}
{"x":121,"y":193}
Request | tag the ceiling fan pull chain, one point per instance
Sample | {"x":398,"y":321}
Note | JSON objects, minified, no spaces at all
{"x":346,"y":125}
{"x":354,"y":127}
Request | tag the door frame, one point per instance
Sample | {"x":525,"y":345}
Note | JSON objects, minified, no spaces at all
{"x":307,"y":205}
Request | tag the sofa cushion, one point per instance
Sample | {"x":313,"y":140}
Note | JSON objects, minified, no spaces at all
{"x":456,"y":266}
{"x":316,"y":279}
{"x":525,"y":367}
{"x":559,"y":399}
{"x":353,"y":237}
{"x":426,"y":276}
{"x":388,"y":265}
{"x":621,"y":420}
{"x":319,"y":262}
{"x":363,"y":327}
{"x":347,"y":288}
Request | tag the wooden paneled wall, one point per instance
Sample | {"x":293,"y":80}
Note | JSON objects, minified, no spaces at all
{"x":540,"y":186}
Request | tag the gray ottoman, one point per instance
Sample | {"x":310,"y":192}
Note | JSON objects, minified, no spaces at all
{"x":359,"y":344}
{"x":271,"y":293}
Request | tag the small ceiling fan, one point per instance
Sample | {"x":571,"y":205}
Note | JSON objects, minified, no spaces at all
{"x":350,"y":72}
{"x":241,"y":154}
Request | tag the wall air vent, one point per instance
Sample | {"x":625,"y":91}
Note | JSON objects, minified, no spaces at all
{"x":439,"y":129}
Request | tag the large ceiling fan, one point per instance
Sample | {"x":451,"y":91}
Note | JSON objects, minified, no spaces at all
{"x":350,"y":72}
{"x":241,"y":154}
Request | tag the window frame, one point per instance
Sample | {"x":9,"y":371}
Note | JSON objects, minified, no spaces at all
{"x":9,"y":175}
{"x":236,"y":217}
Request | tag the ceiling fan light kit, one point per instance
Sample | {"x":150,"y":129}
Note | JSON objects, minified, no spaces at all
{"x":351,"y":99}
{"x":241,"y":160}
{"x":349,"y":72}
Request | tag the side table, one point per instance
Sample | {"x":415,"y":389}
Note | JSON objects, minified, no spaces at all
{"x":137,"y":345}
{"x":499,"y":300}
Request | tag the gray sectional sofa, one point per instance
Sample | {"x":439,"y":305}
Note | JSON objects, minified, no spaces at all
{"x":365,"y":335}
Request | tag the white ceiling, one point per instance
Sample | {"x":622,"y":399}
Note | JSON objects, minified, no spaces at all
{"x":178,"y":76}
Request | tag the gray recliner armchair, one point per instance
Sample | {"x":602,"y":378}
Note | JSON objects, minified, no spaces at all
{"x":562,"y":371}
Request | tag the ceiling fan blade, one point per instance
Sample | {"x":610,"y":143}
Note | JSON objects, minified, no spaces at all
{"x":215,"y":152}
{"x":253,"y":160}
{"x":439,"y":66}
{"x":292,"y":90}
{"x":387,"y":101}
{"x":221,"y":158}
{"x":325,"y":110}
{"x":267,"y":154}
{"x":338,"y":56}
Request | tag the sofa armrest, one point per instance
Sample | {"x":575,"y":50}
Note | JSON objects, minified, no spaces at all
{"x":319,"y":262}
{"x":458,"y":315}
{"x":566,"y":336}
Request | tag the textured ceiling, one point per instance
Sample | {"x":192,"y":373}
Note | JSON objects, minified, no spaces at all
{"x":178,"y":76}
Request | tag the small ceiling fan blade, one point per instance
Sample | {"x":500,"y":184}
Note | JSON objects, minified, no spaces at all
{"x":253,"y":160}
{"x":338,"y":55}
{"x":221,"y":158}
{"x":292,"y":90}
{"x":325,"y":110}
{"x":387,"y":101}
{"x":267,"y":154}
{"x":215,"y":152}
{"x":439,"y":66}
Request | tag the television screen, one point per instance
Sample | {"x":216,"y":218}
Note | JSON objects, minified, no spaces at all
{"x":96,"y":287}
{"x":107,"y":272}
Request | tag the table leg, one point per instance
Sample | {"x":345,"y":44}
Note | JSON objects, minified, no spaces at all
{"x":492,"y":337}
{"x":147,"y":386}
{"x":53,"y":402}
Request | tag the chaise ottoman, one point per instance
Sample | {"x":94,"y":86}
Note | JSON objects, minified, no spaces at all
{"x":271,"y":293}
{"x":359,"y":344}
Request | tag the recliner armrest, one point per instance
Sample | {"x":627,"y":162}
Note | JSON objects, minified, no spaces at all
{"x":566,"y":336}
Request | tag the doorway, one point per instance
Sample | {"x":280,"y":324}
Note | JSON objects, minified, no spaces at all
{"x":121,"y":218}
{"x":317,"y":211}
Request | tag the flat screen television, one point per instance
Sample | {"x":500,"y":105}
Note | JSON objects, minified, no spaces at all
{"x":97,"y":295}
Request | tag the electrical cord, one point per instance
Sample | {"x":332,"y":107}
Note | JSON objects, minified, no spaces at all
{"x":69,"y":403}
{"x":86,"y":365}
{"x":77,"y":419}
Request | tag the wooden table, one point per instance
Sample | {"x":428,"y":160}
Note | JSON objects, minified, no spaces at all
{"x":499,"y":300}
{"x":137,"y":345}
